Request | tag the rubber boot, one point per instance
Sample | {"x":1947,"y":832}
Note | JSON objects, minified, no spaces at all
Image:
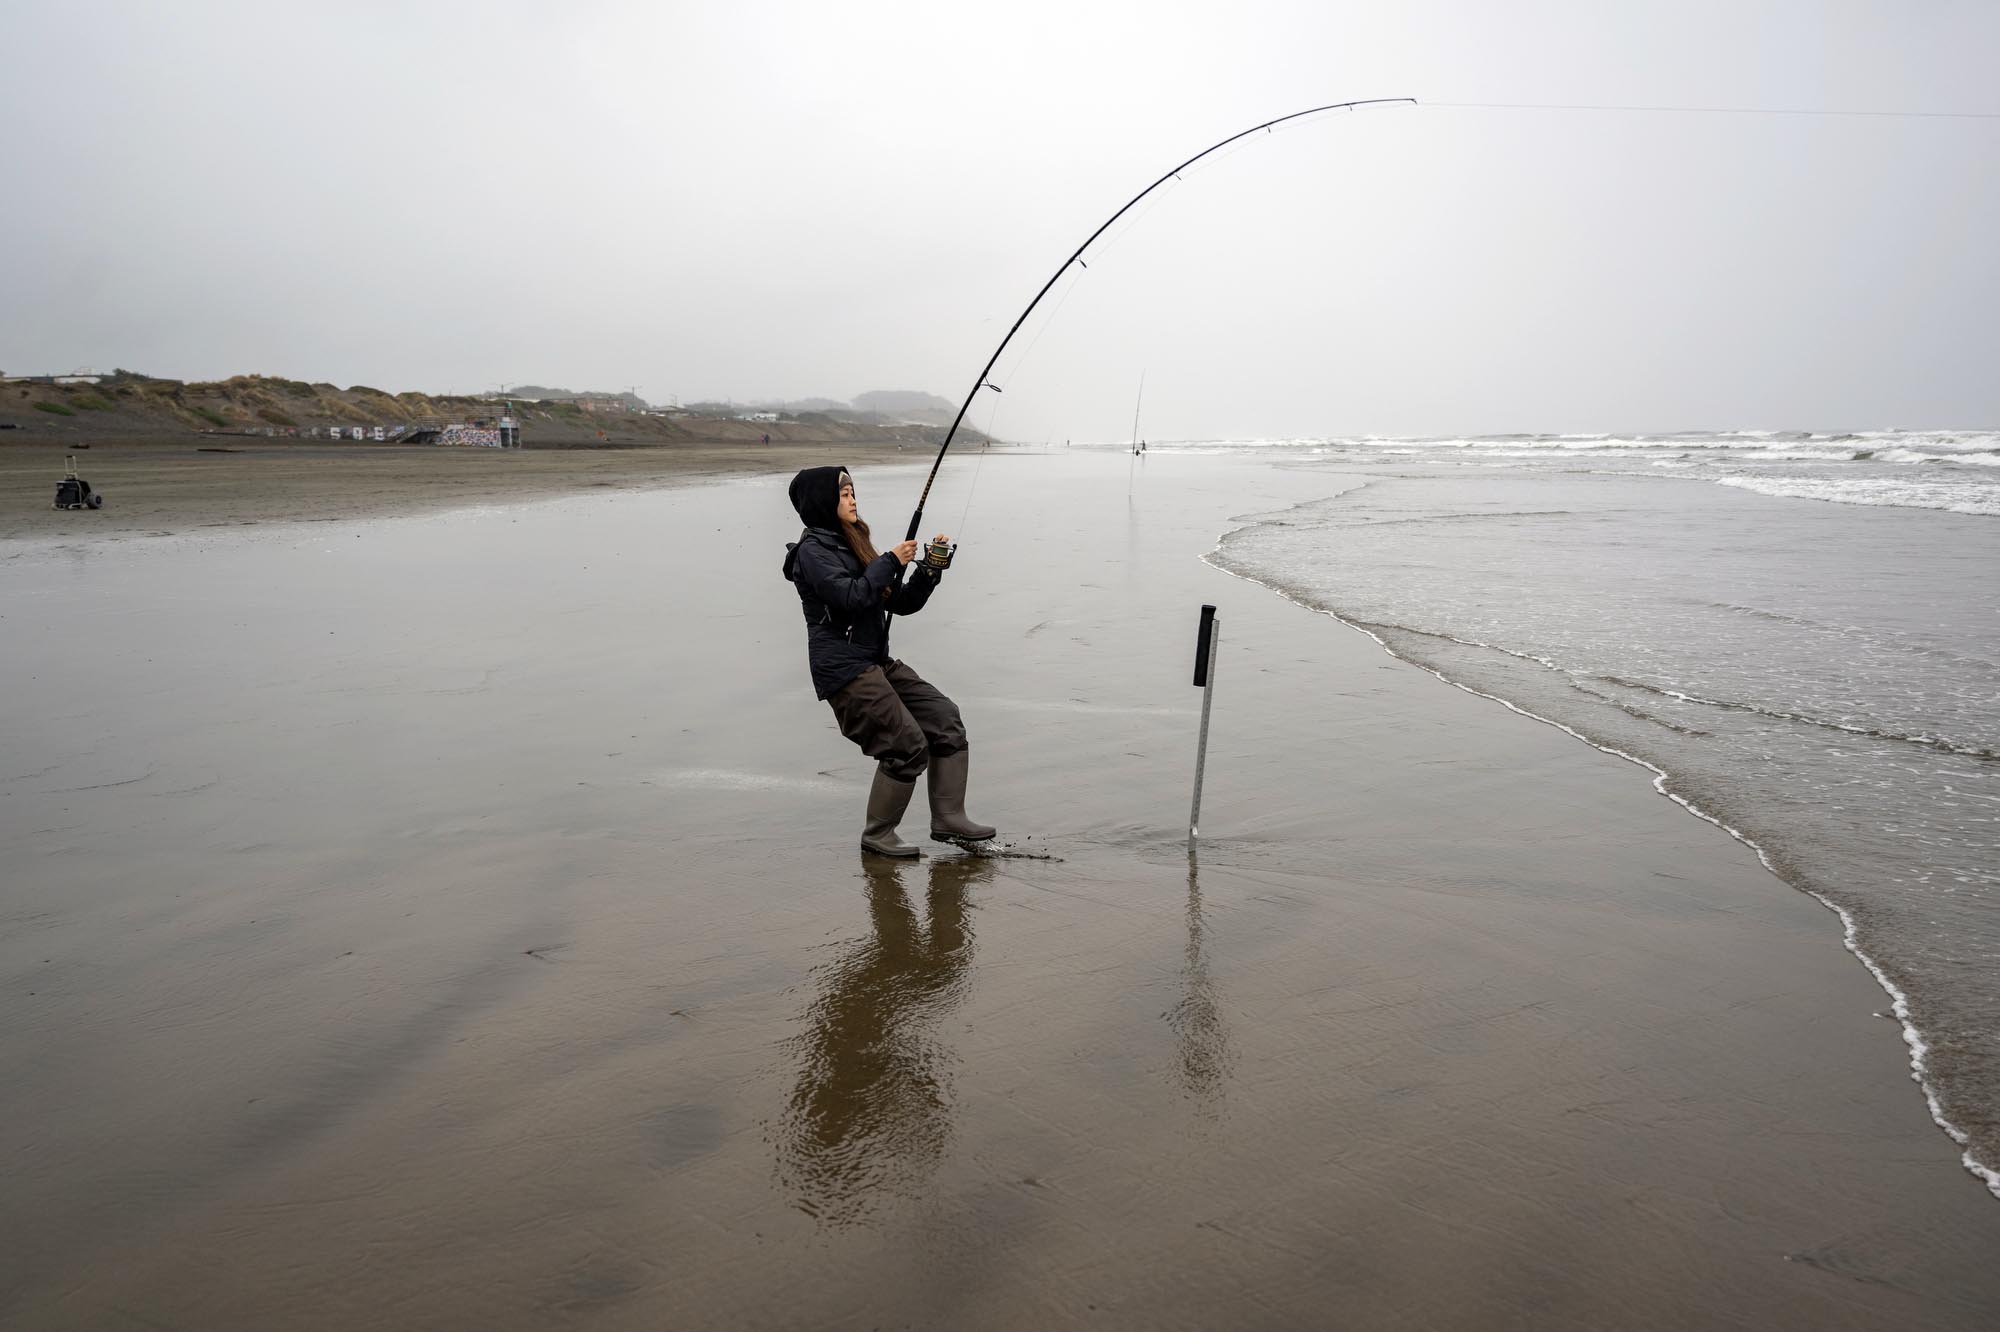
{"x":887,"y":799}
{"x":948,"y":821}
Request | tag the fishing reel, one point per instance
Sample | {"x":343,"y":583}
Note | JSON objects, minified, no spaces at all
{"x":938,"y":553}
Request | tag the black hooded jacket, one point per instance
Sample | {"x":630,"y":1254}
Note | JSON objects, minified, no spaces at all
{"x":847,"y":617}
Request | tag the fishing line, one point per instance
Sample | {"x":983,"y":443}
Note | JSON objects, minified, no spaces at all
{"x":1076,"y":258}
{"x":1181,"y":177}
{"x":994,"y":416}
{"x":1110,"y":242}
{"x":1076,"y":272}
{"x":1029,"y":350}
{"x":992,"y":419}
{"x":1719,"y":110}
{"x":1132,"y":467}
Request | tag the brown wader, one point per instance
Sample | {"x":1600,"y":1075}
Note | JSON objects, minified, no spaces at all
{"x":898,"y":718}
{"x":907,"y":726}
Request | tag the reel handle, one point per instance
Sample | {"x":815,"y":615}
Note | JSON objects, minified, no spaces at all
{"x":938,"y":553}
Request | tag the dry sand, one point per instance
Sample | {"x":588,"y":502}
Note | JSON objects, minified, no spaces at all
{"x":454,"y":921}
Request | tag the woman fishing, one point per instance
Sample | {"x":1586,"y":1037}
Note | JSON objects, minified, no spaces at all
{"x":848,"y":592}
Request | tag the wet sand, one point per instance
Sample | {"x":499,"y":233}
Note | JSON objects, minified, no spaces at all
{"x":159,"y":484}
{"x":454,"y":921}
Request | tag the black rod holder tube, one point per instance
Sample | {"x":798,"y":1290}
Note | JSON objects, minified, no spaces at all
{"x":1202,"y":635}
{"x":1204,"y":677}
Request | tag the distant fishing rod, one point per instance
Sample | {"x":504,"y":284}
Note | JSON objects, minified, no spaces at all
{"x":917,"y":518}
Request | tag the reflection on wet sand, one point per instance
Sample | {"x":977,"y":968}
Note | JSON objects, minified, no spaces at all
{"x":1201,"y":1040}
{"x":870,"y":1113}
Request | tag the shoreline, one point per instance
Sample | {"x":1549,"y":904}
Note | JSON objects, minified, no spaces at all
{"x":1516,"y":678}
{"x":1913,"y":1037}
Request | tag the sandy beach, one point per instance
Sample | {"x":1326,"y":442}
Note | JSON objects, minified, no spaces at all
{"x":159,"y":484}
{"x":445,"y":913}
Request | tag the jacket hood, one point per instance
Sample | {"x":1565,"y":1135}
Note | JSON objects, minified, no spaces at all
{"x":816,"y":495}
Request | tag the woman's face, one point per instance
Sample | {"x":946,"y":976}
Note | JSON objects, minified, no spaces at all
{"x":848,"y":512}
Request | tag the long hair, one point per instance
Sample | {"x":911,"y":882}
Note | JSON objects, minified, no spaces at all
{"x":863,"y":547}
{"x":859,"y":541}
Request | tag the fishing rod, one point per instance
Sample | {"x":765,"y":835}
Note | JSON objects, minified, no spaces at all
{"x":1132,"y":467}
{"x":1137,"y":403}
{"x":917,"y":518}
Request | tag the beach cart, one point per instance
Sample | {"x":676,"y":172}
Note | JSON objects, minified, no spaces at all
{"x":73,"y":492}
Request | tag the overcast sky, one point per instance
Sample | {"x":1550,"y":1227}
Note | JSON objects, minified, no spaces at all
{"x":754,"y":200}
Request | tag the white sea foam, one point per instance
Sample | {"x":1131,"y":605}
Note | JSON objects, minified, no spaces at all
{"x":1893,"y":492}
{"x":1967,"y":457}
{"x":1954,"y":471}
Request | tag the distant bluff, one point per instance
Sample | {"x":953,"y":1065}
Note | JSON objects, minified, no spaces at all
{"x":128,"y":403}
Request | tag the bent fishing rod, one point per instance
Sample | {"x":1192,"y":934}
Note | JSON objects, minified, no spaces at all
{"x":917,"y":518}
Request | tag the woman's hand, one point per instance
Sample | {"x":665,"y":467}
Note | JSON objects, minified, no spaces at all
{"x":904,"y":551}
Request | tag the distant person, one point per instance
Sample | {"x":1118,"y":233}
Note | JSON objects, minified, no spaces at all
{"x":767,"y":440}
{"x":848,"y":593}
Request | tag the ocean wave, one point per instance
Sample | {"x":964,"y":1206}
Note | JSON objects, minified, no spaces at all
{"x":1892,"y":492}
{"x":1761,"y":443}
{"x":1980,"y":447}
{"x":1945,"y":470}
{"x":1970,"y":457}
